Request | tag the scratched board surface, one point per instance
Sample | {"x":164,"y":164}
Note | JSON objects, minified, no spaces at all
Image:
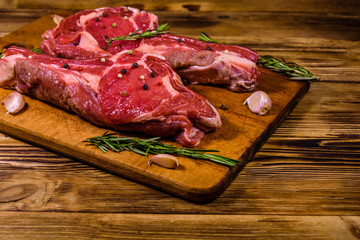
{"x":241,"y":134}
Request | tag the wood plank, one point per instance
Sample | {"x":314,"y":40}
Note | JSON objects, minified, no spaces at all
{"x":170,"y":226}
{"x":199,"y":5}
{"x":13,"y":19}
{"x":308,"y":167}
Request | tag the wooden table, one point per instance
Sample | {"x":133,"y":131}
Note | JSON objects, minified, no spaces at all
{"x":304,"y":183}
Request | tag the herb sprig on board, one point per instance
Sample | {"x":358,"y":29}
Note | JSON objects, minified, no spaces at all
{"x":292,"y":70}
{"x":113,"y":142}
{"x":162,"y":29}
{"x":206,"y":38}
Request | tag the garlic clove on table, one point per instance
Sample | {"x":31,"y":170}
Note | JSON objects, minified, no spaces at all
{"x":259,"y":102}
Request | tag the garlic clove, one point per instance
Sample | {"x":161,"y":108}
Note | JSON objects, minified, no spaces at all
{"x":57,"y":19}
{"x":164,"y":160}
{"x":259,"y":102}
{"x":14,"y":102}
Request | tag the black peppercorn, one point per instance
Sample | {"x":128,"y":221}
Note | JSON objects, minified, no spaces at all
{"x":223,"y":107}
{"x":96,"y":19}
{"x":104,"y":14}
{"x":123,"y":71}
{"x":208,"y":48}
{"x":179,"y":40}
{"x":66,"y":65}
{"x":145,"y":86}
{"x":153,"y":74}
{"x":135,"y":65}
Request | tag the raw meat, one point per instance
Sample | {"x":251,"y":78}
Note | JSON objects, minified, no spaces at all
{"x":78,"y":36}
{"x":86,"y":35}
{"x":137,"y":92}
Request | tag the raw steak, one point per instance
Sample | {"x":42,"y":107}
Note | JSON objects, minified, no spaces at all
{"x":77,"y":36}
{"x":86,"y":35}
{"x":137,"y":92}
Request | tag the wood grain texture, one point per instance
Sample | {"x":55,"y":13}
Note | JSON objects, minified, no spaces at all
{"x":200,"y":5}
{"x":170,"y":227}
{"x":303,"y":182}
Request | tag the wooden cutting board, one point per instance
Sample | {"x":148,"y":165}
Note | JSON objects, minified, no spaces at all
{"x":240,"y":136}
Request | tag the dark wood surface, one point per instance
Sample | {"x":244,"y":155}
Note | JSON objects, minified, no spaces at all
{"x":303,"y":183}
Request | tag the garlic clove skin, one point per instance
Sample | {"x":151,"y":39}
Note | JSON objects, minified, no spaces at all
{"x":259,"y":102}
{"x":14,"y":102}
{"x":164,"y":160}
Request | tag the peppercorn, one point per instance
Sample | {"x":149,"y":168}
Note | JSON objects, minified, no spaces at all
{"x":123,"y":71}
{"x":145,"y":86}
{"x":66,"y":65}
{"x":208,"y":48}
{"x":104,"y":14}
{"x":179,"y":40}
{"x":135,"y":65}
{"x":223,"y":107}
{"x":96,"y":19}
{"x":153,"y":74}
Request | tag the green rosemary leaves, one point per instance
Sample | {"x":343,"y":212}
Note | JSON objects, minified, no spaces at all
{"x":289,"y":69}
{"x":110,"y":141}
{"x":164,"y":28}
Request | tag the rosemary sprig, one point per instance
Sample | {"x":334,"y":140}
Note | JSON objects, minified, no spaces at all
{"x":37,"y":50}
{"x":206,"y":38}
{"x":164,"y":28}
{"x":292,"y":70}
{"x":110,"y":141}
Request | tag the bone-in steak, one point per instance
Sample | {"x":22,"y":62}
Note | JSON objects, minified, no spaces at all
{"x":137,"y":92}
{"x":85,"y":35}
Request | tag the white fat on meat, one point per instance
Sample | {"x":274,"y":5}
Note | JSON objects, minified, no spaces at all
{"x":7,"y":70}
{"x":235,"y":60}
{"x":87,"y":41}
{"x":214,"y":122}
{"x":159,"y":49}
{"x":85,"y":18}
